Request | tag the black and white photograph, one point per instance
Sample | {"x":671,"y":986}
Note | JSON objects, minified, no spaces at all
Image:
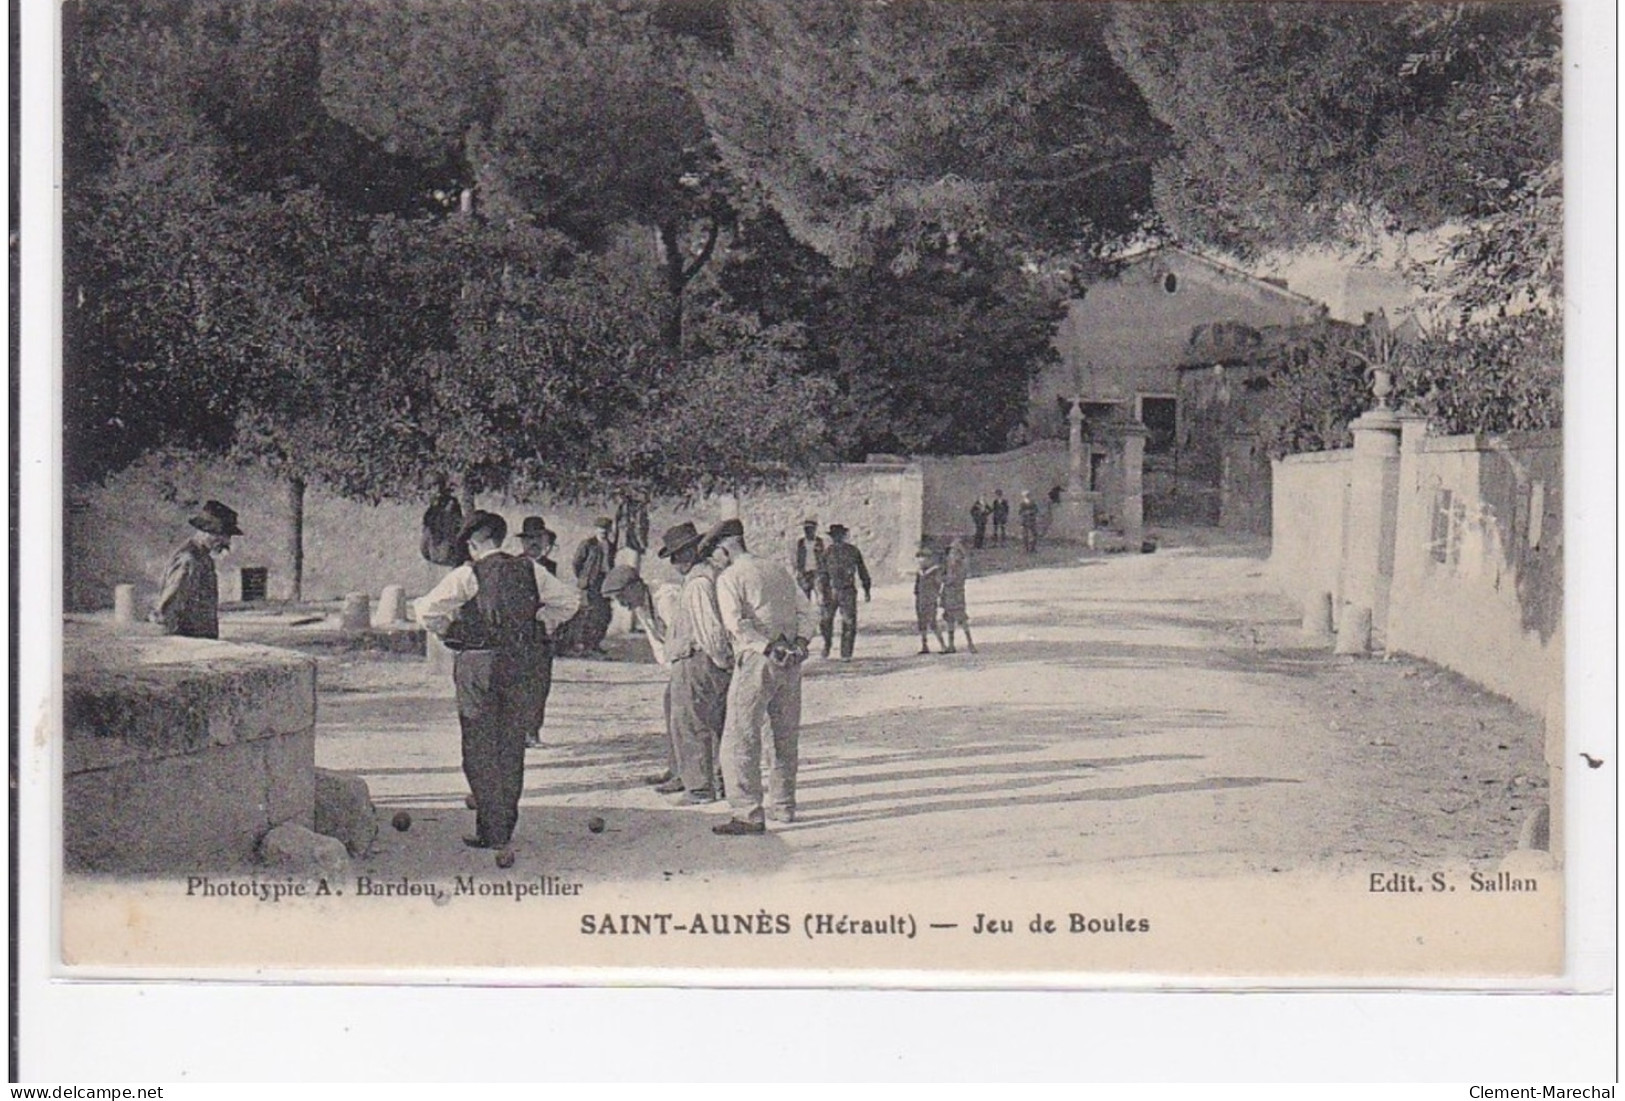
{"x":984,"y":492}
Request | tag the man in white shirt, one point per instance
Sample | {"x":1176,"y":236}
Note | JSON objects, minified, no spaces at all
{"x":768,"y":621}
{"x":496,"y":612}
{"x":654,"y":609}
{"x":701,"y":666}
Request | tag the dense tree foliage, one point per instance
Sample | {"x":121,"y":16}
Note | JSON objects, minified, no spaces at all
{"x":671,"y":245}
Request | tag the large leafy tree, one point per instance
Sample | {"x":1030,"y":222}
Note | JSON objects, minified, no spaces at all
{"x":905,"y":125}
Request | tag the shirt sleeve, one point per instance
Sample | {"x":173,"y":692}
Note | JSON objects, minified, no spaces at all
{"x":863,"y":571}
{"x":651,"y":633}
{"x":700,"y":606}
{"x":166,"y":609}
{"x":436,"y":609}
{"x":559,"y":601}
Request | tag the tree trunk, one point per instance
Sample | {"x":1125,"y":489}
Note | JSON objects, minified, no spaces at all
{"x":465,"y":499}
{"x":296,"y":537}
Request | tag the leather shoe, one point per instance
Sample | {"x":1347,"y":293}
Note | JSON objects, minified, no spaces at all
{"x":663,"y":778}
{"x":475,"y":841}
{"x":670,"y":787}
{"x":533,"y":743}
{"x":695,"y":798}
{"x":738,"y":827}
{"x":470,"y":802}
{"x":786,"y":814}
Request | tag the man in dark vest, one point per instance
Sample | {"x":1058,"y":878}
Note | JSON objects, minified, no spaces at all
{"x":496,"y":612}
{"x":189,"y":603}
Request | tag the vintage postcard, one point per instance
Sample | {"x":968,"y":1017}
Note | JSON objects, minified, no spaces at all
{"x":966,"y":494}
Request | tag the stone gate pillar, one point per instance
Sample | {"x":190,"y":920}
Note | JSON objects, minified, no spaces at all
{"x":1368,"y":547}
{"x":1134,"y":437}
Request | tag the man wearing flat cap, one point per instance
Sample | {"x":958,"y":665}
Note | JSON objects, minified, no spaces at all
{"x":593,"y":560}
{"x":496,"y":613}
{"x":769,"y":622}
{"x":189,"y":602}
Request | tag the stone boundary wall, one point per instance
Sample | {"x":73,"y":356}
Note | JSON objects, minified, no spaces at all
{"x":1475,"y":538}
{"x":1308,"y":506}
{"x":180,"y":754}
{"x":950,"y":484}
{"x":125,"y":531}
{"x":1478,"y":564}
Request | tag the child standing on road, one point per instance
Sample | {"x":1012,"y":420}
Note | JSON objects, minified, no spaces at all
{"x":927,"y":589}
{"x":954,"y":571}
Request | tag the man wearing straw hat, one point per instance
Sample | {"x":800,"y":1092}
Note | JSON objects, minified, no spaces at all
{"x":189,"y":602}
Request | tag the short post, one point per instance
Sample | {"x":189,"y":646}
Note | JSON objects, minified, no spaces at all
{"x":391,"y":607}
{"x":357,"y":614}
{"x":124,"y":604}
{"x":1354,"y":631}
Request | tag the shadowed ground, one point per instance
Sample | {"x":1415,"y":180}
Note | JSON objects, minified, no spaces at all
{"x":1145,"y":713}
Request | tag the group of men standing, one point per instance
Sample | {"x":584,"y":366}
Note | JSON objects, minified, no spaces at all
{"x":981,"y":512}
{"x":732,"y":635}
{"x":829,"y":574}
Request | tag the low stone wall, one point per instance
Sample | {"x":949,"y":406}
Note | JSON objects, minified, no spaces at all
{"x":1471,"y":562}
{"x":179,"y":755}
{"x":951,"y":484}
{"x":124,"y":532}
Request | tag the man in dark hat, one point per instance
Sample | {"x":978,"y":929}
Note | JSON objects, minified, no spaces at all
{"x":189,"y":602}
{"x":496,"y":613}
{"x":844,"y":567}
{"x":594,"y":558}
{"x":538,"y":542}
{"x":809,"y":559}
{"x":701,"y":661}
{"x":769,"y":622}
{"x":654,"y":609}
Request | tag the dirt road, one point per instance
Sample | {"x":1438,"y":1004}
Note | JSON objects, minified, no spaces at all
{"x":1159,"y":713}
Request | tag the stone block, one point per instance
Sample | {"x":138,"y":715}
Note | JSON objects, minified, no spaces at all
{"x":344,"y":810}
{"x":179,"y":754}
{"x":291,"y":758}
{"x":299,"y":851}
{"x":357,"y":613}
{"x":124,"y":604}
{"x":190,"y":812}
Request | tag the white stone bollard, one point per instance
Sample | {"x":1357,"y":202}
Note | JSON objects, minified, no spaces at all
{"x":1354,"y":633}
{"x":391,"y":607}
{"x":1317,"y":614}
{"x":357,"y":614}
{"x":124,"y":604}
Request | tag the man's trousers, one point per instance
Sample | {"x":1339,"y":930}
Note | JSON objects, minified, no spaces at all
{"x":699,"y":705}
{"x":845,"y":602}
{"x":764,"y":717}
{"x":500,"y":698}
